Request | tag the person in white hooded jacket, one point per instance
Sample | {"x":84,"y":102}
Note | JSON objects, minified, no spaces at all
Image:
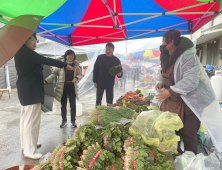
{"x":188,"y":91}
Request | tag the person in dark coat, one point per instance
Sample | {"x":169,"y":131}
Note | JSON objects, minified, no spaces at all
{"x":123,"y":79}
{"x":134,"y":76}
{"x":30,"y":87}
{"x":102,"y":79}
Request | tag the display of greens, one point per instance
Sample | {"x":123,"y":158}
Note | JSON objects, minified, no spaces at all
{"x":119,"y":138}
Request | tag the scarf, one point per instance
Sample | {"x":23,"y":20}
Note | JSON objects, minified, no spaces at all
{"x":69,"y":62}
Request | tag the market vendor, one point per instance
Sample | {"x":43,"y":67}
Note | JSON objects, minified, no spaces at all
{"x":180,"y":76}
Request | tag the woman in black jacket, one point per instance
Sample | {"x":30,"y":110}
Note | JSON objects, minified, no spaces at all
{"x":30,"y":87}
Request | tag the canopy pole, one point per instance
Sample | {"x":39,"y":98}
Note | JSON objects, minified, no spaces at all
{"x":155,"y":30}
{"x":163,"y":29}
{"x":113,"y":16}
{"x":121,"y":27}
{"x":5,"y":18}
{"x":100,"y":37}
{"x":107,"y":16}
{"x":140,"y":20}
{"x":53,"y":30}
{"x":203,"y":15}
{"x":70,"y":40}
{"x":114,"y":4}
{"x":52,"y":34}
{"x":97,"y":37}
{"x":159,"y":30}
{"x":84,"y":41}
{"x":190,"y":6}
{"x":97,"y":26}
{"x":54,"y":24}
{"x":167,"y":13}
{"x":140,"y":34}
{"x":106,"y":4}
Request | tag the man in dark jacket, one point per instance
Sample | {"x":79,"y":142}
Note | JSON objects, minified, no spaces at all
{"x":30,"y":86}
{"x":102,"y":79}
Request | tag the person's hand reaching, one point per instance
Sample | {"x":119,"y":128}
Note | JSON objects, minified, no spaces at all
{"x":74,"y":80}
{"x":69,"y":67}
{"x":159,"y":86}
{"x":164,"y":95}
{"x":119,"y":74}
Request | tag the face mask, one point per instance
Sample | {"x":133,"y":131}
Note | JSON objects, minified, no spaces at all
{"x":163,"y":50}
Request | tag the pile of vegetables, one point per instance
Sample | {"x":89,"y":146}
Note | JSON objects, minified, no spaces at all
{"x":104,"y":117}
{"x":139,"y":93}
{"x":115,"y":70}
{"x":140,"y":156}
{"x":120,"y":98}
{"x":108,"y":114}
{"x":140,"y":109}
{"x":131,"y":100}
{"x":87,"y":135}
{"x":96,"y":158}
{"x":110,"y":148}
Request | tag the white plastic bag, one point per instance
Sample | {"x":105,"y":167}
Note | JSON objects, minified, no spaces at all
{"x":156,"y":102}
{"x":45,"y":158}
{"x":190,"y":161}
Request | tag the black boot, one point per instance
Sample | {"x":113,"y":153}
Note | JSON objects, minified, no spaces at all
{"x":63,"y":124}
{"x":74,"y":125}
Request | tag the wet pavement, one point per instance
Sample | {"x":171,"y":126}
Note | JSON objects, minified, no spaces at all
{"x":51,"y":135}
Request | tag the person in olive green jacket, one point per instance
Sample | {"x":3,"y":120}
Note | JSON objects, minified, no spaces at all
{"x":67,"y":86}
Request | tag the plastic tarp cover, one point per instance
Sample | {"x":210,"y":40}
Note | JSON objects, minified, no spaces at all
{"x":190,"y":161}
{"x":157,"y":128}
{"x":86,"y":84}
{"x":87,"y":91}
{"x":193,"y":83}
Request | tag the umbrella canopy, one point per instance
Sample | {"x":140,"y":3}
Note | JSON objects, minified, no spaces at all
{"x":149,"y":53}
{"x":99,"y":21}
{"x":13,"y":8}
{"x":126,"y":67}
{"x":15,"y":33}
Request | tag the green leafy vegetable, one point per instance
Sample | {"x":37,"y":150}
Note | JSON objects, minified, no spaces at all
{"x":115,"y":70}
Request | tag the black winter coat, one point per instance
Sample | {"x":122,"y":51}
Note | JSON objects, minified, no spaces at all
{"x":101,"y":73}
{"x":30,"y":84}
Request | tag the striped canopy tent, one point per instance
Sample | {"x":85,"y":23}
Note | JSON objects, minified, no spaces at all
{"x":78,"y":22}
{"x":148,"y":52}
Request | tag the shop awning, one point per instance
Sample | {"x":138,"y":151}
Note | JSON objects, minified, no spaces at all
{"x":208,"y":36}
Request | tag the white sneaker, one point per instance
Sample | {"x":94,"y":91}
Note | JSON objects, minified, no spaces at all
{"x":34,"y":156}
